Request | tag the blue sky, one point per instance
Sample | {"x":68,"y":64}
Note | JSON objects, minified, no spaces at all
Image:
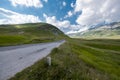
{"x":71,"y":16}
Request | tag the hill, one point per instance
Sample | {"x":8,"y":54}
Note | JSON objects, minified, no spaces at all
{"x":111,"y":31}
{"x":29,"y":33}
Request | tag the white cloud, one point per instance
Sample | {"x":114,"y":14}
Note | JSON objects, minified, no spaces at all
{"x":64,"y":24}
{"x":64,"y":3}
{"x":75,"y":27}
{"x":69,"y":14}
{"x":96,"y":11}
{"x":77,"y":31}
{"x":27,"y":3}
{"x":80,"y":3}
{"x":11,"y":17}
{"x":60,"y":24}
{"x":72,"y":5}
{"x":71,"y":32}
{"x":45,"y":1}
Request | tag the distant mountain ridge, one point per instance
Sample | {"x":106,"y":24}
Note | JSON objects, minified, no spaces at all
{"x":111,"y":30}
{"x":112,"y":25}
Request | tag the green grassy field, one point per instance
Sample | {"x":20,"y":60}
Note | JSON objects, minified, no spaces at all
{"x":78,"y":59}
{"x":29,"y":33}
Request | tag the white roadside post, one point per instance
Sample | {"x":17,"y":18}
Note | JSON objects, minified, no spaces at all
{"x":49,"y":61}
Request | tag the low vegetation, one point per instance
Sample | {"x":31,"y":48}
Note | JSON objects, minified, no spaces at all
{"x":78,"y":59}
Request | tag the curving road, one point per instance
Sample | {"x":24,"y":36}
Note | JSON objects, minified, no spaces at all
{"x":15,"y":58}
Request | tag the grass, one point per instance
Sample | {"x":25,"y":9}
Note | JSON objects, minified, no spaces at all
{"x":29,"y":33}
{"x":77,"y":60}
{"x":11,"y":39}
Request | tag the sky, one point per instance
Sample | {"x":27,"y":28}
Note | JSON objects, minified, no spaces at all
{"x":70,"y":16}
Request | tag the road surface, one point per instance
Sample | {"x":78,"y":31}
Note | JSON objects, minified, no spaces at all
{"x":13,"y":59}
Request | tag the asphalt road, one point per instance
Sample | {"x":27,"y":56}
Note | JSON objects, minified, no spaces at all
{"x":13,"y":59}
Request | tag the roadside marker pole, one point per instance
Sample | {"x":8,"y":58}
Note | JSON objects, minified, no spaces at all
{"x":49,"y":61}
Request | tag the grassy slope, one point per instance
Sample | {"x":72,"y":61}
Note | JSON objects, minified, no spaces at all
{"x":28,"y":33}
{"x":78,"y":59}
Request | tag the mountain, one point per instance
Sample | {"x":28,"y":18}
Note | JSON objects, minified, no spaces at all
{"x":29,"y":33}
{"x":111,"y":30}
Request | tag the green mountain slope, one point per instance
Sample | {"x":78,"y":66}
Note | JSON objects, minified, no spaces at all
{"x":29,"y":33}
